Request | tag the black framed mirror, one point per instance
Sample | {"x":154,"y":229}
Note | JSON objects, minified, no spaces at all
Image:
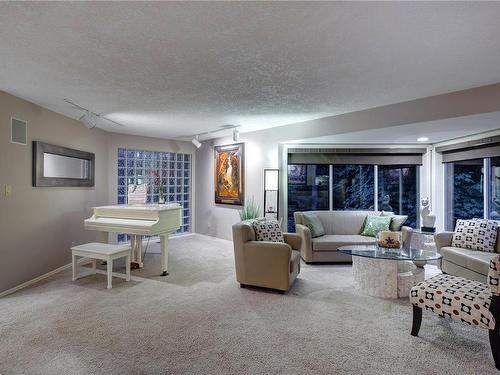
{"x":61,"y":166}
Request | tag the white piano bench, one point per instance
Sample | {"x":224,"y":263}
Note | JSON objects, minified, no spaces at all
{"x":102,"y":251}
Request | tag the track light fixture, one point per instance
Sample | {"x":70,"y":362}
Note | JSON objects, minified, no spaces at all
{"x":196,"y":142}
{"x":89,"y":118}
{"x":195,"y":138}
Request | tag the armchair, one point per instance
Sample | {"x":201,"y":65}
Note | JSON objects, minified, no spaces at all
{"x":265,"y":264}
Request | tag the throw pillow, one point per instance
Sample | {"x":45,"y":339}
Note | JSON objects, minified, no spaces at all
{"x":397,"y":221}
{"x":314,"y":224}
{"x":269,"y":230}
{"x":374,"y":224}
{"x":477,"y":234}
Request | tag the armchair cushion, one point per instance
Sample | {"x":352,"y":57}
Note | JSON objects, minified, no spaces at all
{"x":455,"y":297}
{"x":269,"y":230}
{"x":494,"y":275}
{"x":476,"y":234}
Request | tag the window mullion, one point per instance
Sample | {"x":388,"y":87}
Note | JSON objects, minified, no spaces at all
{"x":330,"y":192}
{"x":486,"y":185}
{"x":375,"y":187}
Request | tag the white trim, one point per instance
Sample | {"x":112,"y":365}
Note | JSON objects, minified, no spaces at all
{"x":375,"y":187}
{"x":39,"y":278}
{"x":18,"y":143}
{"x":486,"y":187}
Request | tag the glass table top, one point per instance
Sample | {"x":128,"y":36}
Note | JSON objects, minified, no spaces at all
{"x":372,"y":251}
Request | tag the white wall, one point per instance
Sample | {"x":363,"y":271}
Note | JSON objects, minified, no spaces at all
{"x":262,"y":151}
{"x":216,"y":219}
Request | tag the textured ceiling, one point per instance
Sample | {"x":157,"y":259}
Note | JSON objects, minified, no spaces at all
{"x":171,"y":69}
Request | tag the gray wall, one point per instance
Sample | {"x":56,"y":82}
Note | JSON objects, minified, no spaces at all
{"x":38,"y":225}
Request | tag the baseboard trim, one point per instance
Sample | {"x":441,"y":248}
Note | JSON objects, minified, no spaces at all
{"x":39,"y":278}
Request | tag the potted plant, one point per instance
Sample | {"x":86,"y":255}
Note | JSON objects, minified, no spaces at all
{"x":250,"y":211}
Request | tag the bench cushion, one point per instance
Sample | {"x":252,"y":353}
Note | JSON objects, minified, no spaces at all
{"x":457,"y":298}
{"x":477,"y":261}
{"x":101,"y":248}
{"x":332,"y":242}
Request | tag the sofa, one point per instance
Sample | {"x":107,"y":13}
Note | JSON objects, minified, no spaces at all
{"x":470,"y":264}
{"x":342,"y":228}
{"x":265,"y":264}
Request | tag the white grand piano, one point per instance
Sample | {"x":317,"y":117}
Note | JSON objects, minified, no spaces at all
{"x":138,"y":221}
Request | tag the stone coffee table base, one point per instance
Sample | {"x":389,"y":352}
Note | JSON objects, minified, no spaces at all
{"x":385,"y":278}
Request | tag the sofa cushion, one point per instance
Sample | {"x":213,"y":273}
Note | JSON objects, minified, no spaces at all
{"x":331,"y":242}
{"x":477,"y":261}
{"x":477,"y":234}
{"x":312,"y":221}
{"x":375,"y":224}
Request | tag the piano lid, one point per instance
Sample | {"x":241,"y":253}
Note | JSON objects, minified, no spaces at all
{"x":140,"y":207}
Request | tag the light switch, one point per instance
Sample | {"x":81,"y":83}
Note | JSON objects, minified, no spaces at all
{"x":8,"y":190}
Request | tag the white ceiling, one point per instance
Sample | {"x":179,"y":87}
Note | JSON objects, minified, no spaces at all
{"x":437,"y":131}
{"x":171,"y":69}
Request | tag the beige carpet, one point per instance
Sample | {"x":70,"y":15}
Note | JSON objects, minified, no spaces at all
{"x":198,"y":321}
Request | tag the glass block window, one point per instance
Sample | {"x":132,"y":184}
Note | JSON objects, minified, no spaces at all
{"x":174,"y":174}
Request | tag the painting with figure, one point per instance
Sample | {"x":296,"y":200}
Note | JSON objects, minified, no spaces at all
{"x":229,"y":174}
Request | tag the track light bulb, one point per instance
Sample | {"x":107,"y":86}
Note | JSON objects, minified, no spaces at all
{"x":196,"y":142}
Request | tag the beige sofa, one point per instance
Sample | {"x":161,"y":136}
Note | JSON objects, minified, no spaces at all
{"x":471,"y":264}
{"x":342,"y":228}
{"x":272,"y":265}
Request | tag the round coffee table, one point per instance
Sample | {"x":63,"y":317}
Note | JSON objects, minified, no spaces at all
{"x":387,"y":273}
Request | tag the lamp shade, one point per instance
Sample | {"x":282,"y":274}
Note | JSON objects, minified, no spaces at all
{"x":271,"y":179}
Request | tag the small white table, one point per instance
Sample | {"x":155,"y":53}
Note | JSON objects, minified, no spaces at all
{"x":102,"y":251}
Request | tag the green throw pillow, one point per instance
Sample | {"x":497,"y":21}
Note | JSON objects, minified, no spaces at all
{"x":374,"y":224}
{"x":314,"y":224}
{"x":397,"y":221}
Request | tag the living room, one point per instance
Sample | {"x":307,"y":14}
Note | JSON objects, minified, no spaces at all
{"x":249,"y":187}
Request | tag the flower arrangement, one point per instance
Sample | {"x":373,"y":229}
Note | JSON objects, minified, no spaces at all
{"x":156,"y":179}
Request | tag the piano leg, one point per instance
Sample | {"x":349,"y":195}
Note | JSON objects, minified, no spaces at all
{"x":139,"y":251}
{"x":134,"y":243}
{"x":164,"y":254}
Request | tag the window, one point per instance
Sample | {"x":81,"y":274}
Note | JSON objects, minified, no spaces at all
{"x":494,"y":193}
{"x":353,"y":187}
{"x":308,"y":189}
{"x":398,"y":191}
{"x":135,"y":167}
{"x":465,"y":190}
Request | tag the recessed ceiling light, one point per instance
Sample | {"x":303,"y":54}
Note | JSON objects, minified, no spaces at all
{"x":423,"y":139}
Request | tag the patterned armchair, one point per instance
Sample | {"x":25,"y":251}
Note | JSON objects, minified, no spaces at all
{"x":469,"y":301}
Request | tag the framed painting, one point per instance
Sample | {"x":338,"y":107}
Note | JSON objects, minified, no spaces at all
{"x":229,"y":174}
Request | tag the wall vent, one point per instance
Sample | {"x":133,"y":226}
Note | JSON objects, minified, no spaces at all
{"x":18,"y":131}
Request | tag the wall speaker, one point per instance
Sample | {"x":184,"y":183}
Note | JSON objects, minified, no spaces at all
{"x":18,"y":131}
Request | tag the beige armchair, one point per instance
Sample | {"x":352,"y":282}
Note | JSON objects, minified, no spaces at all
{"x":265,"y":264}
